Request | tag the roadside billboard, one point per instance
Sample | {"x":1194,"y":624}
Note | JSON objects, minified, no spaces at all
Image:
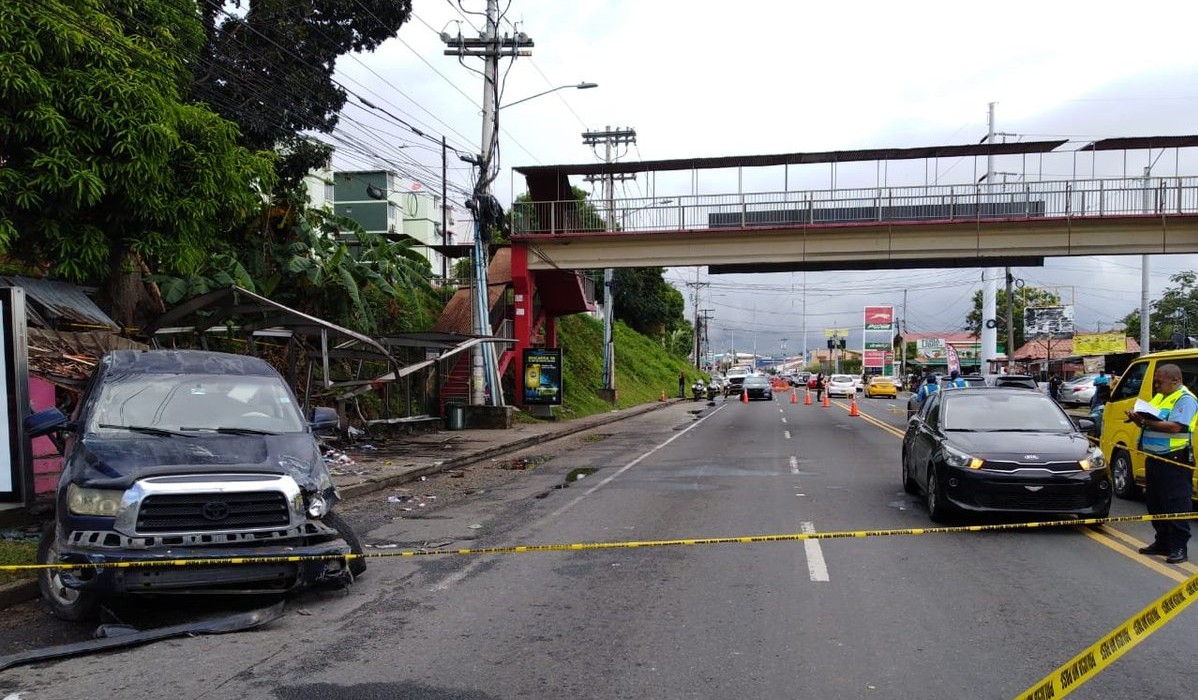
{"x":543,"y":376}
{"x":1048,"y":322}
{"x":1099,"y":343}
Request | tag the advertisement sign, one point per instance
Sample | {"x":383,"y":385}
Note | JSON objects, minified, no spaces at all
{"x":877,"y":358}
{"x":1098,"y":343}
{"x":877,"y":345}
{"x":16,"y":466}
{"x":879,"y":318}
{"x":954,"y":362}
{"x":931,"y":348}
{"x":1048,"y":322}
{"x":543,"y":376}
{"x":836,"y":332}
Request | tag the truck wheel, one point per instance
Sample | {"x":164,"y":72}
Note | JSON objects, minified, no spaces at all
{"x":357,"y":565}
{"x":66,"y":603}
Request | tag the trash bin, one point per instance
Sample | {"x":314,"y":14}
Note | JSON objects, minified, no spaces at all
{"x":455,"y":416}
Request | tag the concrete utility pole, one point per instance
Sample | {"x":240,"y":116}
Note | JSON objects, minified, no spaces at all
{"x":489,"y":47}
{"x":989,"y":280}
{"x":609,"y":137}
{"x":1010,"y":322}
{"x":697,"y":285}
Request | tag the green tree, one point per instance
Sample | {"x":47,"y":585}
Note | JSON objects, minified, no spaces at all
{"x":1024,"y":298}
{"x":104,"y":164}
{"x":269,"y":67}
{"x":646,"y":302}
{"x":1174,"y":315}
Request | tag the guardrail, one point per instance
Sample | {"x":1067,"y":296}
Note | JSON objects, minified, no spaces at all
{"x":1024,"y":200}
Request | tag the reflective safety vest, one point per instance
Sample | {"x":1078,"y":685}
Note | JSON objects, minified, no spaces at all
{"x":1162,"y":443}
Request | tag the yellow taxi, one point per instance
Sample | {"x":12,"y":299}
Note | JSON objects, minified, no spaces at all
{"x":1120,"y":438}
{"x":881,"y":386}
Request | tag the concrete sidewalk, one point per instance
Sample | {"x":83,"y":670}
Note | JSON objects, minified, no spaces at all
{"x":364,"y":467}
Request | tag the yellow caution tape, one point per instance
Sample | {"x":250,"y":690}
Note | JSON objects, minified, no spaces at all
{"x":1081,"y":668}
{"x":520,"y":549}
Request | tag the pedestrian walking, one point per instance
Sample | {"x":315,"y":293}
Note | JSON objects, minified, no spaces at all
{"x":1169,"y":486}
{"x":682,"y":385}
{"x":819,"y":386}
{"x":1054,"y":388}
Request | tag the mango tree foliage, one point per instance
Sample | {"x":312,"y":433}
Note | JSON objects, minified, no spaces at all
{"x":102,"y":158}
{"x":269,"y":65}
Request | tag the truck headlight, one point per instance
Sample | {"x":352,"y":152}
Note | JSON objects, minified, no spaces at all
{"x":317,"y":506}
{"x":85,"y":501}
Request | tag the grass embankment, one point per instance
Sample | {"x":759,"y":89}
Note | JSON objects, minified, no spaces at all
{"x":643,"y":367}
{"x":17,"y":552}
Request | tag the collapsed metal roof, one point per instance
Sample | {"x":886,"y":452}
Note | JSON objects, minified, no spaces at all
{"x":59,"y":305}
{"x":810,"y":158}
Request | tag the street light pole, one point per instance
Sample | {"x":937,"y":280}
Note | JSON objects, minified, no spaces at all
{"x":578,"y":86}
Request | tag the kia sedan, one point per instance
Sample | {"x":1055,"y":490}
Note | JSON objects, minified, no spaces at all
{"x":1003,"y":450}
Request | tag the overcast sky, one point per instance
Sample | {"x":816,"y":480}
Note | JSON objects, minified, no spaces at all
{"x":697,"y":78}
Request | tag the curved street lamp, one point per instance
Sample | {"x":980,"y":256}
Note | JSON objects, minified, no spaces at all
{"x":579,"y":86}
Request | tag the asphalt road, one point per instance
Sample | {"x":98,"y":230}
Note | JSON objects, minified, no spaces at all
{"x":968,"y":615}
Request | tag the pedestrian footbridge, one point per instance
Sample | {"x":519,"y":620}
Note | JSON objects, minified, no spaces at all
{"x":1054,"y":199}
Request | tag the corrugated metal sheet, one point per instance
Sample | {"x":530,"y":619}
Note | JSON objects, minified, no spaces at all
{"x":815,"y":157}
{"x":60,"y":305}
{"x":1139,"y":143}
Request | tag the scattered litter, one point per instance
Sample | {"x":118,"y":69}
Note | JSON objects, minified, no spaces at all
{"x":399,"y":499}
{"x":368,"y":448}
{"x":475,"y":526}
{"x":303,"y":611}
{"x":387,"y":462}
{"x":383,"y":546}
{"x":354,"y":432}
{"x":434,"y":545}
{"x":424,"y":478}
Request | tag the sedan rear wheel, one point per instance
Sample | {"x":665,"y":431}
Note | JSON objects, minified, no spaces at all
{"x":1122,"y":476}
{"x":937,"y":508}
{"x":909,"y":484}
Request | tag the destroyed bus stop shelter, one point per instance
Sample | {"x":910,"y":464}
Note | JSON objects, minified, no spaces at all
{"x":344,"y":363}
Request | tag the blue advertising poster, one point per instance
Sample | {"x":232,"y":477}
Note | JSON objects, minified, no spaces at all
{"x":543,"y":376}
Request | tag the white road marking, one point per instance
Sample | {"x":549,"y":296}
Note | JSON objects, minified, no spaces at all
{"x":469,"y":568}
{"x":783,"y":419}
{"x":815,"y":556}
{"x":786,"y":434}
{"x":794,"y":464}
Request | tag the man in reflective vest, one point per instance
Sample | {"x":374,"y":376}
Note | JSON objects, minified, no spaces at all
{"x":1169,"y":487}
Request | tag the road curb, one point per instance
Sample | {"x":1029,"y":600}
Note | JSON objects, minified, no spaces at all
{"x":570,"y":428}
{"x":17,"y":592}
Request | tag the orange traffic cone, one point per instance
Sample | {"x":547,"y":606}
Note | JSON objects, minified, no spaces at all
{"x":853,"y":412}
{"x":826,"y":403}
{"x":807,"y":398}
{"x":663,"y":395}
{"x":794,"y":396}
{"x":744,"y":396}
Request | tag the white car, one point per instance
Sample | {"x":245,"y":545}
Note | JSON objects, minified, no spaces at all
{"x":842,"y":385}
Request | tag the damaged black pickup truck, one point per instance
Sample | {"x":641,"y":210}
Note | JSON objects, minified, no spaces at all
{"x":189,"y":454}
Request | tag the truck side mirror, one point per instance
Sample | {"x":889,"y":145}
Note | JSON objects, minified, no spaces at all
{"x":324,"y":418}
{"x":44,"y":422}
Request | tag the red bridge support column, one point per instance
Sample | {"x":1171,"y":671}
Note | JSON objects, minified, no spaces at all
{"x":522,"y":291}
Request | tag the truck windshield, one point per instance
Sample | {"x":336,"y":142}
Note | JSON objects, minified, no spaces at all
{"x":196,"y":402}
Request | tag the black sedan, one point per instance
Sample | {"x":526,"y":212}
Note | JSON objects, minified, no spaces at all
{"x":1002,"y":450}
{"x":758,"y":386}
